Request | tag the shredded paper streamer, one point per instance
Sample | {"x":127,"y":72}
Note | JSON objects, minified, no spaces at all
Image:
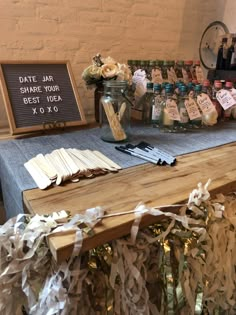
{"x":183,"y":265}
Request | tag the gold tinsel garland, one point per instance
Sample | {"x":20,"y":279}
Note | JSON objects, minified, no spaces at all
{"x":183,"y":265}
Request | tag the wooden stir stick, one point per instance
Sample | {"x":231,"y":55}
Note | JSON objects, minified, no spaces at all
{"x":113,"y":120}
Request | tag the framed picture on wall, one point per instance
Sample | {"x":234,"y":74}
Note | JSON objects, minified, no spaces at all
{"x":40,"y":95}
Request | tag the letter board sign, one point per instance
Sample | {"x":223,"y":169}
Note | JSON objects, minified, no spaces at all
{"x":38,"y":95}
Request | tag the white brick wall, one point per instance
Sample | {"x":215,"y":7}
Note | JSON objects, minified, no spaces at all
{"x":229,"y":15}
{"x":125,"y":29}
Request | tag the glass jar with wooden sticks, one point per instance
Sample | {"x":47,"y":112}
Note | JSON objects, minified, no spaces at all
{"x":115,"y":112}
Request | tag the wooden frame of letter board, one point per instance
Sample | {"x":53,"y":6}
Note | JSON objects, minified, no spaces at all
{"x":79,"y":119}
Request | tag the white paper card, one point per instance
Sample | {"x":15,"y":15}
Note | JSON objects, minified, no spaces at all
{"x":205,"y":103}
{"x":192,"y":108}
{"x":225,"y":99}
{"x":172,"y":110}
{"x":233,"y":93}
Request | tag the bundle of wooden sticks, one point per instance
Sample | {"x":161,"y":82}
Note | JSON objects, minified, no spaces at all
{"x":68,"y":164}
{"x":114,"y":120}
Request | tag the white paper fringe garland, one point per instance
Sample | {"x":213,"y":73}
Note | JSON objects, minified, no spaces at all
{"x":183,"y":265}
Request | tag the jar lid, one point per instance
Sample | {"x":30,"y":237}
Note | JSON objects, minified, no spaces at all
{"x":143,"y":62}
{"x":218,"y":85}
{"x":179,"y":83}
{"x":206,"y":83}
{"x":190,"y":84}
{"x":188,"y":62}
{"x":156,"y":86}
{"x":165,"y":63}
{"x":183,"y":88}
{"x":180,"y":62}
{"x":164,"y":84}
{"x":152,"y":62}
{"x":169,"y":86}
{"x":115,"y":83}
{"x":198,"y":87}
{"x":229,"y":84}
{"x":149,"y":85}
{"x":168,"y":89}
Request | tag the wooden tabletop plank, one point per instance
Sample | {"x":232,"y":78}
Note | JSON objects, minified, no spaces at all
{"x":147,"y":183}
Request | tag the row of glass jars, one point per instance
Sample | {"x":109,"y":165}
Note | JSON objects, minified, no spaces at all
{"x":163,"y":65}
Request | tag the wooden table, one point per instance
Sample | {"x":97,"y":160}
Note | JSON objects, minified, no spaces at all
{"x":153,"y":185}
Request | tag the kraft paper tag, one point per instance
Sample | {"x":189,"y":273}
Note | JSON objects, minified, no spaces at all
{"x":185,"y":75}
{"x":172,"y":78}
{"x":172,"y":110}
{"x":225,"y":99}
{"x":199,"y":74}
{"x":205,"y":103}
{"x":192,"y":109}
{"x":157,"y":76}
{"x":191,"y":94}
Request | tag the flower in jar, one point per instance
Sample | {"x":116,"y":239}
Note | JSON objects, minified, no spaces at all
{"x":109,"y":70}
{"x":108,"y":60}
{"x":92,"y":72}
{"x":124,"y":73}
{"x":103,"y":69}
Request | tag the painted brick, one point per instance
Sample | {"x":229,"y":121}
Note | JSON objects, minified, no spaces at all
{"x":6,"y":26}
{"x":57,"y":13}
{"x":118,"y":6}
{"x":88,"y":5}
{"x":45,"y":2}
{"x":24,"y":44}
{"x":62,"y":45}
{"x":24,"y":55}
{"x":110,"y":32}
{"x":46,"y":55}
{"x":145,"y":10}
{"x":37,"y":27}
{"x":119,"y":19}
{"x":94,"y":17}
{"x":17,"y":10}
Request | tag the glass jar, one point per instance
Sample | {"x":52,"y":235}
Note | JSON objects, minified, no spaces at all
{"x":98,"y":93}
{"x":179,"y":64}
{"x":164,"y":70}
{"x":115,"y":112}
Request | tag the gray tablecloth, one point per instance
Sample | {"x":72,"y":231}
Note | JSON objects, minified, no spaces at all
{"x":14,"y":178}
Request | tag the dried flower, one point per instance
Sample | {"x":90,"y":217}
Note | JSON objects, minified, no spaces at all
{"x":92,"y":73}
{"x":109,"y":70}
{"x":106,"y":69}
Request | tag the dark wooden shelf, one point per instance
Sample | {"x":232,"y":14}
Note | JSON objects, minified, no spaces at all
{"x":221,"y":75}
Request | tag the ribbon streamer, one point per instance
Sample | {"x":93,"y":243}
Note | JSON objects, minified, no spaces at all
{"x":183,"y":265}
